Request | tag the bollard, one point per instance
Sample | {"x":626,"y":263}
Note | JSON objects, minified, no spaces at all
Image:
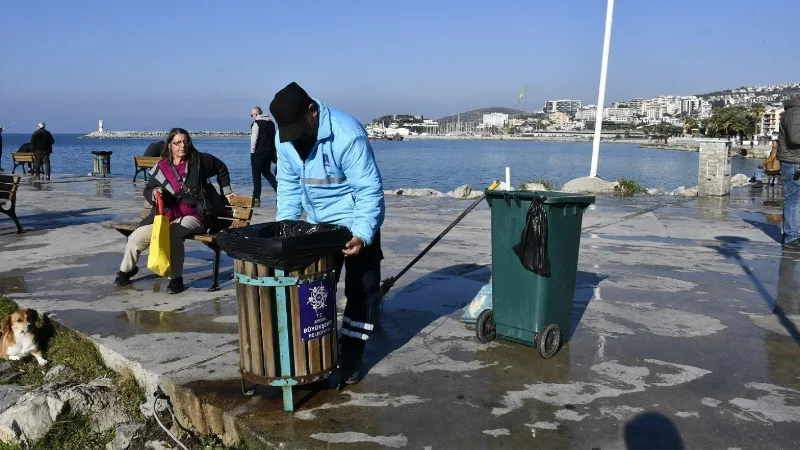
{"x":714,"y":173}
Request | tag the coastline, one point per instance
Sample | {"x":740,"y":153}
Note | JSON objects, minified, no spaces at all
{"x":162,"y":134}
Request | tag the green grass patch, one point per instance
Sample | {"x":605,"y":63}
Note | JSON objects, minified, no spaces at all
{"x":60,"y":346}
{"x":548,"y":186}
{"x":130,"y":393}
{"x":629,"y":187}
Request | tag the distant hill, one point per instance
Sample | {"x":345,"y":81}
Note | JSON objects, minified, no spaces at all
{"x":476,"y":115}
{"x":754,"y":94}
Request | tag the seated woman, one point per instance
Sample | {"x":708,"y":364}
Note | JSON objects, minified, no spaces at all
{"x":179,"y":206}
{"x":770,"y":166}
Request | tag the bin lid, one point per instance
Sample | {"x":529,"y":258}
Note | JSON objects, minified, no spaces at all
{"x":551,"y":197}
{"x":101,"y":153}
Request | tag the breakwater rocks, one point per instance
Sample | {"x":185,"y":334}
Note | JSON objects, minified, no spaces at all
{"x":162,"y":134}
{"x":585,"y":185}
{"x":682,"y":147}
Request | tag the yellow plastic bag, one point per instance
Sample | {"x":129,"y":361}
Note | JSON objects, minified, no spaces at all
{"x":159,"y":259}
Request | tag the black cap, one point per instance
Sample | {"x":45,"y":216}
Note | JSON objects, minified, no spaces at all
{"x":289,"y":108}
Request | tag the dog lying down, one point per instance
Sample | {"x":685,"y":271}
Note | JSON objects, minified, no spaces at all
{"x":19,"y":339}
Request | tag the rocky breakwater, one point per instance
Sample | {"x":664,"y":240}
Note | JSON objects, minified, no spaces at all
{"x":161,"y":134}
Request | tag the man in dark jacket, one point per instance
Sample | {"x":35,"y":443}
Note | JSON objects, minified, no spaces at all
{"x":42,"y":144}
{"x":789,"y":156}
{"x":26,"y":148}
{"x":262,"y":151}
{"x":154,"y":149}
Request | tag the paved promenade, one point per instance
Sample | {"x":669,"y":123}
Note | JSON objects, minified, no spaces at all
{"x":685,"y":328}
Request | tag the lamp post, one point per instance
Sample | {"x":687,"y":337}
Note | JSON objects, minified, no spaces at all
{"x":601,"y":97}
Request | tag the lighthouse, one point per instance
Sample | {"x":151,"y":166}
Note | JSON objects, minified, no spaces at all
{"x":100,"y":127}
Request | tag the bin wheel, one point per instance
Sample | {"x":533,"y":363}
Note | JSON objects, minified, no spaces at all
{"x":484,"y":327}
{"x":549,"y":341}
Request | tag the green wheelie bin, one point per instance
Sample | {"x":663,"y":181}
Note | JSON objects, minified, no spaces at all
{"x":529,"y":308}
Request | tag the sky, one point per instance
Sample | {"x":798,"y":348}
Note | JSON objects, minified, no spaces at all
{"x":152,"y":65}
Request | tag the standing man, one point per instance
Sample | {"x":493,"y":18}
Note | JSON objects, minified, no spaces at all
{"x":326,"y":167}
{"x":262,"y":151}
{"x":154,"y":150}
{"x":1,"y":150}
{"x":42,"y":144}
{"x":789,"y":156}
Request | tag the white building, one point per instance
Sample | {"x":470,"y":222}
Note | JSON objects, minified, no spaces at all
{"x":495,"y":120}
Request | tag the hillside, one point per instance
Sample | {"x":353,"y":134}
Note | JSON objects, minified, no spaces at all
{"x":476,"y":115}
{"x":755,"y":94}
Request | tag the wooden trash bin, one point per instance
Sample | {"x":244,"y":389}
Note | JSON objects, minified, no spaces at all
{"x":287,"y":324}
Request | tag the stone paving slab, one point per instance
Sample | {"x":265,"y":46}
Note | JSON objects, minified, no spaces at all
{"x":685,"y":328}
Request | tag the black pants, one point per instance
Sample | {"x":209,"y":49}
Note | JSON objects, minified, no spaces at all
{"x":361,"y":287}
{"x":261,"y":164}
{"x":41,"y":158}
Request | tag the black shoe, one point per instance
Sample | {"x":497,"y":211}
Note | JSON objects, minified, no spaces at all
{"x":794,"y":245}
{"x":758,"y":184}
{"x":124,"y":278}
{"x":47,"y":177}
{"x":175,"y":286}
{"x":352,"y":374}
{"x":256,"y":203}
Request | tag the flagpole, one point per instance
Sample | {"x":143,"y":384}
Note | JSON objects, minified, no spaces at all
{"x":601,"y":97}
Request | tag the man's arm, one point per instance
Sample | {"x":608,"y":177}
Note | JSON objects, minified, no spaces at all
{"x":358,"y":165}
{"x":792,"y":127}
{"x":253,"y":137}
{"x":290,"y":203}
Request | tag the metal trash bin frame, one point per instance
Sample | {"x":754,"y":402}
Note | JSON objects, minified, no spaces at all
{"x":262,"y":291}
{"x":101,"y":163}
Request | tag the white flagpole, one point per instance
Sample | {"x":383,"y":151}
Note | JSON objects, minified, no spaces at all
{"x":601,"y":98}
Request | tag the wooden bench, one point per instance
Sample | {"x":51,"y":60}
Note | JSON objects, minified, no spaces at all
{"x":241,"y":211}
{"x":8,"y":197}
{"x":143,"y":163}
{"x":20,"y":159}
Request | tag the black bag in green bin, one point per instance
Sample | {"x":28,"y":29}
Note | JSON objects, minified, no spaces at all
{"x":532,"y":246}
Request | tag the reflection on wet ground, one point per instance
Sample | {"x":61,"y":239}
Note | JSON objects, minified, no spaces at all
{"x":684,"y":328}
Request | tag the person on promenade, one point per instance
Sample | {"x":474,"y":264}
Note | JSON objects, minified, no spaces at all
{"x":262,"y":152}
{"x":769,"y":165}
{"x":181,"y":165}
{"x":326,"y":167}
{"x":154,"y":150}
{"x":789,"y":156}
{"x":42,"y":145}
{"x":1,"y":150}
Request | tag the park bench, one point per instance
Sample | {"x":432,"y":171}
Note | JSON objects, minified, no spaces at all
{"x":20,"y":159}
{"x":239,"y":214}
{"x":143,"y":163}
{"x":8,"y":197}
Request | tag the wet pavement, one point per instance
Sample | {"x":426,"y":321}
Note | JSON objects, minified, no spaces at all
{"x":685,"y":328}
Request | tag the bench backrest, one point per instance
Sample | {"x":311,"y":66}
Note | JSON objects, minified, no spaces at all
{"x":241,"y":211}
{"x":22,"y":157}
{"x":8,"y":187}
{"x":146,"y":161}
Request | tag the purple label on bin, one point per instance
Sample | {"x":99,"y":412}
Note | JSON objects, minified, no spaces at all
{"x":317,"y":306}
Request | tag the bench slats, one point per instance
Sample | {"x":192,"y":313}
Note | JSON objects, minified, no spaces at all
{"x":145,"y":161}
{"x":7,"y":196}
{"x":243,"y":201}
{"x":22,"y":157}
{"x":10,"y":179}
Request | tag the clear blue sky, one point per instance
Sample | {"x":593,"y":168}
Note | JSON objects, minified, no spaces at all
{"x":203,"y":64}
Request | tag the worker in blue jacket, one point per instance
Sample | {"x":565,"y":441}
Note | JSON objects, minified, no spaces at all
{"x":327,"y":169}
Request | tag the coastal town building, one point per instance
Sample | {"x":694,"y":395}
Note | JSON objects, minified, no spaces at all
{"x":566,"y":106}
{"x":769,"y":121}
{"x":495,"y":119}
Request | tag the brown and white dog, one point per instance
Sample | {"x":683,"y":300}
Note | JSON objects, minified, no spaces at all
{"x":18,"y":339}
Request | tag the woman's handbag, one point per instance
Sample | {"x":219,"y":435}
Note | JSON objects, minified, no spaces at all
{"x":210,"y":204}
{"x":159,"y":259}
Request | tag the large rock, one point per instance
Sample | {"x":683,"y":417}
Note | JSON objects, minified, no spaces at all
{"x":123,"y":436}
{"x":8,"y":373}
{"x":33,"y":415}
{"x":589,"y":185}
{"x":739,"y":180}
{"x":425,"y":192}
{"x":534,"y":187}
{"x":462,"y":192}
{"x":9,"y":394}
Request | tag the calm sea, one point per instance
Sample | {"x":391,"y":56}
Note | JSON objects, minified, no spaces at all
{"x":438,"y":164}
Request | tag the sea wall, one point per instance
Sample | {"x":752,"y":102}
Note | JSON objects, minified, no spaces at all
{"x":162,"y":134}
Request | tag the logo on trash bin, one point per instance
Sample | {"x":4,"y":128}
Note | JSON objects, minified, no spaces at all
{"x":316,"y":309}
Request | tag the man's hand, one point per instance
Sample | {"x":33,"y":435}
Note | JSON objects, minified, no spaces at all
{"x":353,"y":247}
{"x":230,"y":197}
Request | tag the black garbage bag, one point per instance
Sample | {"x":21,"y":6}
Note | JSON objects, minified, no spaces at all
{"x":286,"y":245}
{"x":532,"y":246}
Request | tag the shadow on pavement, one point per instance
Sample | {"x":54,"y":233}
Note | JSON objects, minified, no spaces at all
{"x":651,"y":430}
